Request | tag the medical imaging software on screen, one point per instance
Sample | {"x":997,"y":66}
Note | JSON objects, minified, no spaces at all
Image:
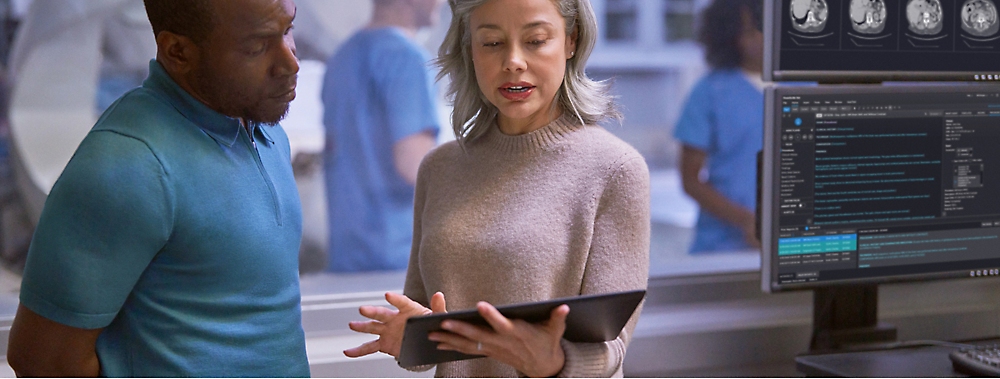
{"x":871,"y":185}
{"x":901,"y":36}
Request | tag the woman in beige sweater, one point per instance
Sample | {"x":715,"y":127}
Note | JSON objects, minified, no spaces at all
{"x":533,"y":202}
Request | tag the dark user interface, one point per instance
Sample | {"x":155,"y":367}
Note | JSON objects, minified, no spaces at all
{"x":889,"y":35}
{"x":872,"y":185}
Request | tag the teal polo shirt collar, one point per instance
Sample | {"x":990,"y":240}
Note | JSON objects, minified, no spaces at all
{"x":223,"y":129}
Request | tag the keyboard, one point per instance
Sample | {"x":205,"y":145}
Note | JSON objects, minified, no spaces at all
{"x":977,"y":361}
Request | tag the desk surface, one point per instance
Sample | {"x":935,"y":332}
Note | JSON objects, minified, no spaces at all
{"x":922,"y":361}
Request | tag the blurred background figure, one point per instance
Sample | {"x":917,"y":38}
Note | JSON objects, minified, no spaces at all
{"x":380,"y":119}
{"x":127,"y":47}
{"x":15,"y":224}
{"x":7,"y":195}
{"x":721,"y":127}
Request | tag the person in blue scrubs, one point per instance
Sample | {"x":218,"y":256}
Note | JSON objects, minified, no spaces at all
{"x":721,"y":128}
{"x":380,"y":119}
{"x":168,"y":247}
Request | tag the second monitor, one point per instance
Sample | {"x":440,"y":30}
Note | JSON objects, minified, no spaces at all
{"x":871,"y":184}
{"x":863,"y":185}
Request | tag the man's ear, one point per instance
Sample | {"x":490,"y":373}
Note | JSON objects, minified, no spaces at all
{"x":178,"y":54}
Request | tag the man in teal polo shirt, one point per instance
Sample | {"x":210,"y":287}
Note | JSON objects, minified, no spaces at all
{"x":169,"y":245}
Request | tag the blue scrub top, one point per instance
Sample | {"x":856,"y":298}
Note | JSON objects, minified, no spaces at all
{"x":724,"y":117}
{"x":179,"y":237}
{"x":378,"y":90}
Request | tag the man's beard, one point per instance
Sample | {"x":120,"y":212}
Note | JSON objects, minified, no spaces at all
{"x":257,"y":114}
{"x":238,"y":102}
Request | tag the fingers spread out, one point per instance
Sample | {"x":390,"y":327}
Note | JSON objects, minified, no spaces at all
{"x":370,"y":327}
{"x":382,"y":314}
{"x":387,"y":323}
{"x":365,"y":349}
{"x":404,"y":304}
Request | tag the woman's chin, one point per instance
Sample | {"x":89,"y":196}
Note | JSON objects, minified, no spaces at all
{"x":519,"y":110}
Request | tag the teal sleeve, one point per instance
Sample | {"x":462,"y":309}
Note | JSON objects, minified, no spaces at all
{"x":104,"y":221}
{"x":696,"y":125}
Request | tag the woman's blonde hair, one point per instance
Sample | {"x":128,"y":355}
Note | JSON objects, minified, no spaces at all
{"x":588,"y":100}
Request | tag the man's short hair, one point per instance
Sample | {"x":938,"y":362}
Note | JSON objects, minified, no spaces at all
{"x":189,"y":18}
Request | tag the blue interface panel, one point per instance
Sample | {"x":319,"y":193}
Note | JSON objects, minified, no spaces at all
{"x":885,"y":183}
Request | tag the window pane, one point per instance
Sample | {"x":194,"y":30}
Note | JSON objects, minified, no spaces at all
{"x":622,"y":17}
{"x":678,"y":20}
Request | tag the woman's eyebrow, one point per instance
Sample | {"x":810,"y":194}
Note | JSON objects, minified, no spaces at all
{"x":528,"y":26}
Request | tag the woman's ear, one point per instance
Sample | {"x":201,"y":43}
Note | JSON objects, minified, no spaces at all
{"x":571,"y":42}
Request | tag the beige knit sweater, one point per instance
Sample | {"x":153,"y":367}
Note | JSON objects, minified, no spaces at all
{"x":561,"y":211}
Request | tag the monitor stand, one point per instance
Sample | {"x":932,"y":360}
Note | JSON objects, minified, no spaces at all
{"x":847,"y":316}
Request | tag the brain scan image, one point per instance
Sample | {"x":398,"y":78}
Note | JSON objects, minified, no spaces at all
{"x":809,"y":16}
{"x":979,"y":18}
{"x":868,"y":16}
{"x":924,"y":16}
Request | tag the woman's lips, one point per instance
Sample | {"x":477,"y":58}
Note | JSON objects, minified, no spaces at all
{"x":516,"y":92}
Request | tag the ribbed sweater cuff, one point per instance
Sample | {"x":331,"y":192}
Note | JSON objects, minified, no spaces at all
{"x":586,"y":360}
{"x":420,"y":368}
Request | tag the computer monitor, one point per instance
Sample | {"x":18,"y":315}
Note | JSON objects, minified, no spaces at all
{"x":840,"y":41}
{"x":870,"y":184}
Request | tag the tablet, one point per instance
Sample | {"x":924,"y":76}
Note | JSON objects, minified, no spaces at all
{"x":592,"y":318}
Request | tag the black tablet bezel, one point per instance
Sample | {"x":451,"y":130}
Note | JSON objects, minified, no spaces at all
{"x":592,"y":318}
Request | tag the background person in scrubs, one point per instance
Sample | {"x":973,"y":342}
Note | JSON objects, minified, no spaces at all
{"x":380,"y":119}
{"x":721,"y":127}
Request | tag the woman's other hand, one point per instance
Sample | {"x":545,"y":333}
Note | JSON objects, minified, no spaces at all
{"x":532,"y":349}
{"x":389,"y":324}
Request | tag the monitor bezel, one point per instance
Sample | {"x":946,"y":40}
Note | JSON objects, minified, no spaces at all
{"x":769,"y":195}
{"x":773,"y":73}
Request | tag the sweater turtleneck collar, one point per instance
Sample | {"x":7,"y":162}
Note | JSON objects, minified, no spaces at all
{"x":540,"y":139}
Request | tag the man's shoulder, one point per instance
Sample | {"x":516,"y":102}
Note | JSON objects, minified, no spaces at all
{"x":139,"y":114}
{"x":135,"y":105}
